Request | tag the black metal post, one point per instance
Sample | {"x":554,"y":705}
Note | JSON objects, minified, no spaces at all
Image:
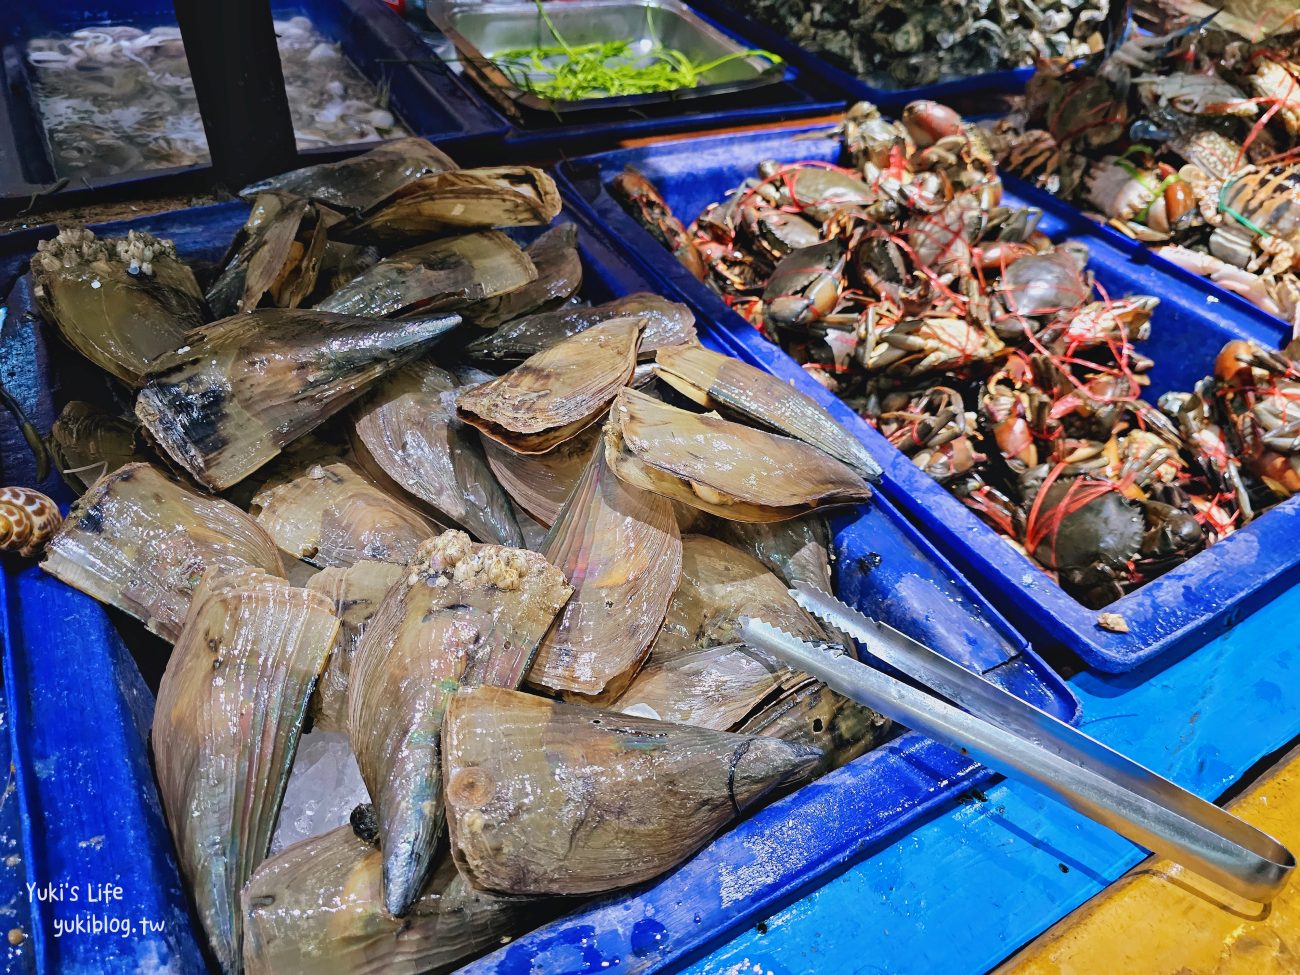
{"x":230,"y":45}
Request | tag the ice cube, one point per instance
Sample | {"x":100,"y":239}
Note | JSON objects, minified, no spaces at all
{"x":324,"y":787}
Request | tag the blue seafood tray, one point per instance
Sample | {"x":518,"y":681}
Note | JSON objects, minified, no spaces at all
{"x":1008,"y":82}
{"x":79,"y":712}
{"x":1177,"y":612}
{"x":424,"y":94}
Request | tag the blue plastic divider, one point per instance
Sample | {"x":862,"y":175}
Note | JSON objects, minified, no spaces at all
{"x":1178,"y":611}
{"x":424,"y":93}
{"x":99,"y":878}
{"x":1010,"y":81}
{"x":58,"y":639}
{"x":961,"y":892}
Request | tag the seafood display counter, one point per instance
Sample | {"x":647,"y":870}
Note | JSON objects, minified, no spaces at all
{"x":79,"y":711}
{"x":1191,"y":323}
{"x":98,"y":98}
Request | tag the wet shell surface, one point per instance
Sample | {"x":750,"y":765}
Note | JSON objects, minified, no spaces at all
{"x":467,"y":199}
{"x":407,"y":430}
{"x":449,"y":273}
{"x":539,"y":484}
{"x":550,"y":798}
{"x":620,"y":550}
{"x":356,"y":592}
{"x":141,"y":542}
{"x":28,"y":519}
{"x":559,"y":274}
{"x":811,"y":714}
{"x":362,"y":182}
{"x":248,"y":385}
{"x":278,"y":256}
{"x":717,"y":687}
{"x":721,"y":382}
{"x":331,"y":515}
{"x":87,"y":443}
{"x":719,"y":586}
{"x":724,"y":468}
{"x":317,"y":908}
{"x":556,"y":393}
{"x":798,"y":550}
{"x":121,"y":303}
{"x":666,"y":323}
{"x":466,"y":614}
{"x":230,"y":709}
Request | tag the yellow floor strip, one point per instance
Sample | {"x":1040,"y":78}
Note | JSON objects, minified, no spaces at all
{"x":1160,"y":920}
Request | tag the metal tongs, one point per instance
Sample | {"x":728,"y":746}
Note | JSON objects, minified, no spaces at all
{"x":1012,"y":736}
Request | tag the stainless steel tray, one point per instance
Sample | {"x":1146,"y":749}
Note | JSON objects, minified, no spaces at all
{"x":482,"y":29}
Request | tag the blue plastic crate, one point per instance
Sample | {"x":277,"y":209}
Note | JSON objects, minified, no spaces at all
{"x":88,"y":800}
{"x":1009,"y":82}
{"x":424,"y":93}
{"x":1178,"y":611}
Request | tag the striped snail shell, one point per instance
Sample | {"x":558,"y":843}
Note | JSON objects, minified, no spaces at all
{"x":27,"y":520}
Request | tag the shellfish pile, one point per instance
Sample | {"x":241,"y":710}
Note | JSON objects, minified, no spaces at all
{"x":987,"y":353}
{"x":895,"y":44}
{"x":1187,"y":140}
{"x":116,"y":99}
{"x":384,"y":479}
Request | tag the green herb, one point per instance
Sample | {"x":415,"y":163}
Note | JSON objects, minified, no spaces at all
{"x":572,"y":72}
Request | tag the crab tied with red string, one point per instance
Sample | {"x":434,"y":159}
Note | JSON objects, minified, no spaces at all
{"x":990,"y":355}
{"x":1186,"y":138}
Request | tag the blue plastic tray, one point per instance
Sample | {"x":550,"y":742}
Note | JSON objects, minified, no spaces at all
{"x":800,"y":95}
{"x":425,"y":95}
{"x":1010,"y":82}
{"x":1178,"y":611}
{"x":80,"y":713}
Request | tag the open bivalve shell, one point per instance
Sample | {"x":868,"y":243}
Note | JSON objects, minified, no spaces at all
{"x":466,"y":614}
{"x":356,"y":592}
{"x":121,"y":303}
{"x":247,"y":385}
{"x":666,"y":323}
{"x":539,"y":484}
{"x":719,"y":586}
{"x":557,"y":393}
{"x":724,"y":468}
{"x":620,"y":550}
{"x":551,"y":798}
{"x":559,"y":274}
{"x":141,"y":542}
{"x":408,"y":431}
{"x":360,"y":183}
{"x":463,"y":199}
{"x":330,"y":515}
{"x":317,"y":908}
{"x":230,"y":710}
{"x":448,"y":273}
{"x":719,"y":381}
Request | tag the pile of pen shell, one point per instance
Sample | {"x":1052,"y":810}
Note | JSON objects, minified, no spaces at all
{"x":1187,"y":139}
{"x":452,"y":563}
{"x":988,"y":354}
